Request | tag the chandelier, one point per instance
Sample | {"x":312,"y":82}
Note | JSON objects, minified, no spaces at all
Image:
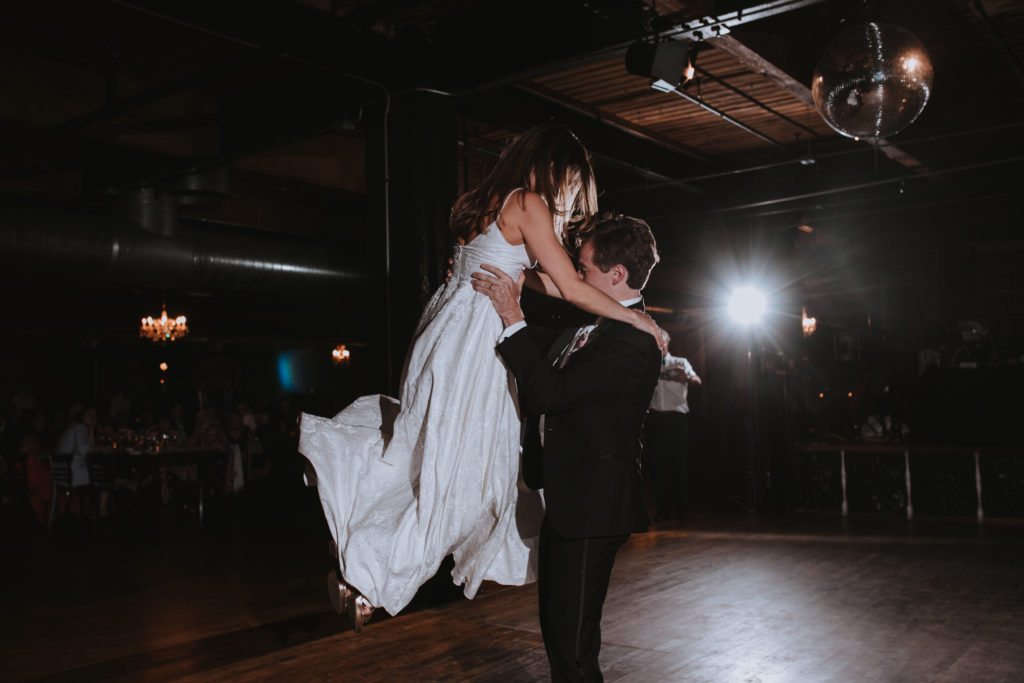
{"x":163,"y":328}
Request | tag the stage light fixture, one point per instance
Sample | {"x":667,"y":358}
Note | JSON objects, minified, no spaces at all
{"x":746,"y":305}
{"x":664,"y":62}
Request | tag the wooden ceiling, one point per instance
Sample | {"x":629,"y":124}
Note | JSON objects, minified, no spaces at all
{"x":161,"y":77}
{"x":106,"y":96}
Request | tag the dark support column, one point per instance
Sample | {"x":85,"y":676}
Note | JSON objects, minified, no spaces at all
{"x":421,"y":187}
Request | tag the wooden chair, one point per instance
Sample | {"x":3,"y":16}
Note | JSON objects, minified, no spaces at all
{"x":101,"y":471}
{"x":60,"y":474}
{"x":102,"y":478}
{"x":16,"y":484}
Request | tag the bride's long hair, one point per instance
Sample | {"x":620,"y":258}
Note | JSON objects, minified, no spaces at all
{"x":547,"y":159}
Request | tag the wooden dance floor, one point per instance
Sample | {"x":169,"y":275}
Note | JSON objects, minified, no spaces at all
{"x":722,"y":598}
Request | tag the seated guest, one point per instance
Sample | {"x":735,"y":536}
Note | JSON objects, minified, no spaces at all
{"x":176,"y":418}
{"x":209,"y":432}
{"x":120,"y":407}
{"x":37,"y":476}
{"x":238,"y":469}
{"x":8,"y":460}
{"x":257,"y":464}
{"x":37,"y":426}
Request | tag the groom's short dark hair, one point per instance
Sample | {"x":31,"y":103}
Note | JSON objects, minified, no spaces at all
{"x":618,"y":238}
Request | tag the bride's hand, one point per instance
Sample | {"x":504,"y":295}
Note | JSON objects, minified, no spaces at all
{"x":645,"y":323}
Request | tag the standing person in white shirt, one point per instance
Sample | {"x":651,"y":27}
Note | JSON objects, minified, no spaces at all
{"x":668,"y":433}
{"x":77,"y":441}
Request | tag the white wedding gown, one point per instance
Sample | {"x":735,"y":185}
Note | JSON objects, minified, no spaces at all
{"x":403,"y":484}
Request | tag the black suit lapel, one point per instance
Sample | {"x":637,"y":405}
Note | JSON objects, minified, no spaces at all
{"x":563,"y":338}
{"x":602,"y":327}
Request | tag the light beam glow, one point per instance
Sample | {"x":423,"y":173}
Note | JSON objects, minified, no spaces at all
{"x":746,"y":305}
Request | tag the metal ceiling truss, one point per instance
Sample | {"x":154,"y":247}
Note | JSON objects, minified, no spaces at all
{"x":712,"y":27}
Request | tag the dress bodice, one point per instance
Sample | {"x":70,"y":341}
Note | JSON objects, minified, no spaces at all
{"x":492,"y":248}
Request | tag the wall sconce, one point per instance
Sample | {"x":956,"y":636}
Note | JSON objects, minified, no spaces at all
{"x":809,"y":324}
{"x":340,"y":355}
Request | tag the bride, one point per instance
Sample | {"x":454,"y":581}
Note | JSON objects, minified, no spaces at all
{"x":404,"y":483}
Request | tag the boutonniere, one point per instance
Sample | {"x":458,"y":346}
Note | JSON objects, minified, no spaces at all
{"x":583,"y":338}
{"x":587,"y":332}
{"x":590,"y":332}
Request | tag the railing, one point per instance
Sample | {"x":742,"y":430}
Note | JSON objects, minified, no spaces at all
{"x":919,"y":455}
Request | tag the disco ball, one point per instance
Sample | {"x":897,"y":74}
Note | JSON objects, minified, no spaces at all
{"x":872,"y":81}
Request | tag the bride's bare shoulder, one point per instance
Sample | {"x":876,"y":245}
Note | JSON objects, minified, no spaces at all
{"x":525,"y":201}
{"x":523,"y":206}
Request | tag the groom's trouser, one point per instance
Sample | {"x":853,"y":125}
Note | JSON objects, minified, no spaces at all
{"x":667,"y":434}
{"x":573,"y":577}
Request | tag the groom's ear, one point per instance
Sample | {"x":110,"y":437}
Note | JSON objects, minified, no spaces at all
{"x":619,"y":273}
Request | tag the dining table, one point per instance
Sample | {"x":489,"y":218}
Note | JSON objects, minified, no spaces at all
{"x":136,"y":466}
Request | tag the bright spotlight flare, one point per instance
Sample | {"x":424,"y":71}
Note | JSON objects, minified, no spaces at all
{"x":746,"y":305}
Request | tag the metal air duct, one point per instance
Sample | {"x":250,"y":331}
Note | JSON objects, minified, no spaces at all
{"x":82,"y":246}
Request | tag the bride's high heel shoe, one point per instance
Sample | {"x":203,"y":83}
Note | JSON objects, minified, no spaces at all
{"x":359,"y":612}
{"x":340,"y":594}
{"x":347,"y":600}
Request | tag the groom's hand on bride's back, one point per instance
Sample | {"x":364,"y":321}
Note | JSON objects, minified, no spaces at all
{"x":502,"y":290}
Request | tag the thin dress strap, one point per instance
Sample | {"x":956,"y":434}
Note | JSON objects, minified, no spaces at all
{"x":505,"y":203}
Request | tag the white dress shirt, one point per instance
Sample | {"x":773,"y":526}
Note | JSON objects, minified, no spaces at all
{"x":673,"y":385}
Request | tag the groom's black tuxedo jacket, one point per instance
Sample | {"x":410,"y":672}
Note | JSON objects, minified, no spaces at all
{"x":593,"y":411}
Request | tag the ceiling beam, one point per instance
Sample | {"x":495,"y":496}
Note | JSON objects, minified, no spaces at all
{"x":758,"y":64}
{"x":516,"y":109}
{"x":703,"y":28}
{"x":696,"y":29}
{"x":613,"y":120}
{"x":1007,"y":48}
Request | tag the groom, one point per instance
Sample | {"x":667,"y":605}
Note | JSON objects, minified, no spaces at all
{"x":593,"y":386}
